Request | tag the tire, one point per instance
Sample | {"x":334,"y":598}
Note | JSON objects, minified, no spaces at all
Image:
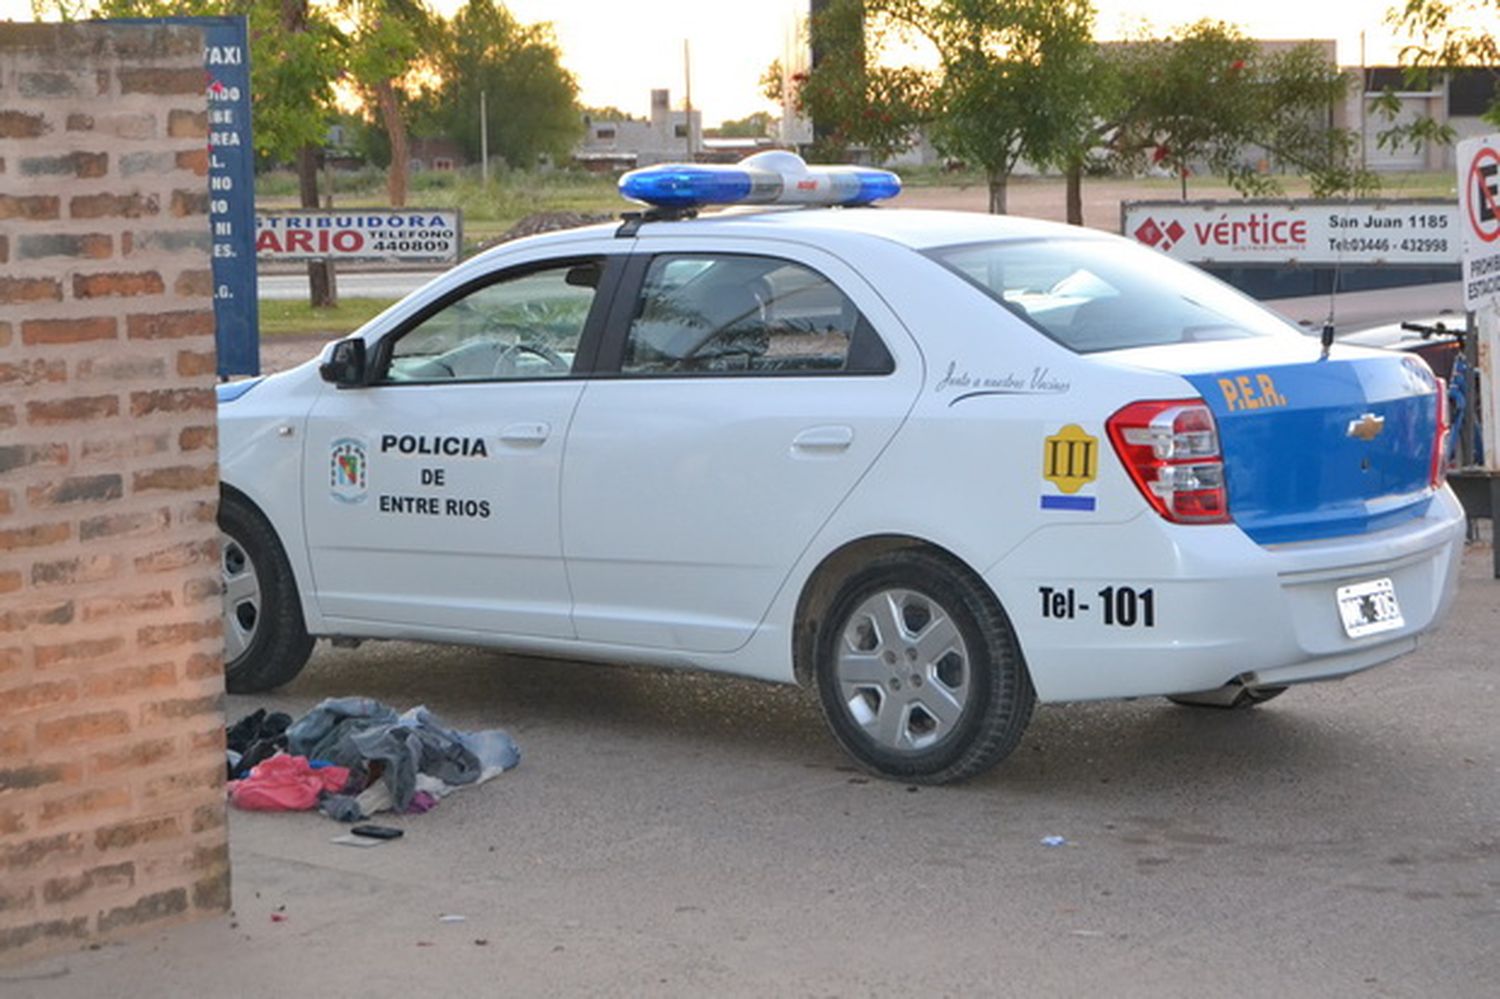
{"x":1230,"y":697}
{"x":945,"y":695}
{"x":265,"y":639}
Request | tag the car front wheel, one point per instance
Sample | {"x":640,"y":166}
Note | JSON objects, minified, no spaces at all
{"x":919,"y":673}
{"x":265,"y":640}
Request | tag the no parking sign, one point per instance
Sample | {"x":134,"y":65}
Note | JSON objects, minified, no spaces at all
{"x":1479,"y":220}
{"x":1479,"y":215}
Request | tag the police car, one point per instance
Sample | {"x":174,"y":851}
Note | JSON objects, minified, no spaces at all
{"x":936,"y":466}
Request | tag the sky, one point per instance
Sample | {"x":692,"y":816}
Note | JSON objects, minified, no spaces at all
{"x":619,"y":50}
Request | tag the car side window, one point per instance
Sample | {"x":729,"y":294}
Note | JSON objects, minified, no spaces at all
{"x":520,"y":327}
{"x":740,"y":314}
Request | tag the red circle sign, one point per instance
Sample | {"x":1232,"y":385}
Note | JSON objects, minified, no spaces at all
{"x":1487,"y":229}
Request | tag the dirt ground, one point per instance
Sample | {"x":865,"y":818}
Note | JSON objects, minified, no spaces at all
{"x":680,"y":834}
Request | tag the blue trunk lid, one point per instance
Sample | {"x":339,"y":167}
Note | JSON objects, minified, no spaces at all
{"x":1317,"y":447}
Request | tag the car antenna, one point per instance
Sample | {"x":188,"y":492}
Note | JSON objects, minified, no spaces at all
{"x":1333,"y":297}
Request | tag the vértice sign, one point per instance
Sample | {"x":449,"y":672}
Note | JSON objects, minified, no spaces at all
{"x":373,"y":235}
{"x":1405,"y":232}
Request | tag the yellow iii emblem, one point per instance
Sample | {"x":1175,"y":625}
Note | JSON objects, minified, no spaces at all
{"x":1070,"y":458}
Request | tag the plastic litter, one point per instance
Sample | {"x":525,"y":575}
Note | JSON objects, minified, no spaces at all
{"x":450,"y":918}
{"x":1054,"y":841}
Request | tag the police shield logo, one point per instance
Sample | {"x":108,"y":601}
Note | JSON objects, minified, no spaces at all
{"x":347,"y":470}
{"x":1070,"y":461}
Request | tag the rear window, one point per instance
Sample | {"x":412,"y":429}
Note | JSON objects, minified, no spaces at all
{"x":1094,"y":294}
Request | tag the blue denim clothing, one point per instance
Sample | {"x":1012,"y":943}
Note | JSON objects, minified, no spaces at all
{"x":357,"y":732}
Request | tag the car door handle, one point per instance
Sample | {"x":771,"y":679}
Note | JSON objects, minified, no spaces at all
{"x":834,"y":438}
{"x":525,"y":434}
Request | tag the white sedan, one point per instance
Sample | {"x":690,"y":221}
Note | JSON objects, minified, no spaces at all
{"x":936,"y":466}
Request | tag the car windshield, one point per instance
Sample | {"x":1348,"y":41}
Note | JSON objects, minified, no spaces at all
{"x":1093,"y":294}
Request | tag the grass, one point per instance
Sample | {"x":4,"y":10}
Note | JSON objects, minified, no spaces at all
{"x":289,"y":318}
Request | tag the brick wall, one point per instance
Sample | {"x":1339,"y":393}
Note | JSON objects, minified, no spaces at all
{"x":111,"y":728}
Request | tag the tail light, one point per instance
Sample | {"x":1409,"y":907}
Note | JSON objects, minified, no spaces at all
{"x":1170,"y":447}
{"x":1439,"y":470}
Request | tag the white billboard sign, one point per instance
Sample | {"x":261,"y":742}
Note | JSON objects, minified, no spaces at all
{"x":388,"y":235}
{"x":1424,"y":232}
{"x":1479,"y":212}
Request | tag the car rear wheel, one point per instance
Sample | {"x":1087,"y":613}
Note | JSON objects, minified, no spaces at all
{"x":919,"y":673}
{"x":265,"y":640}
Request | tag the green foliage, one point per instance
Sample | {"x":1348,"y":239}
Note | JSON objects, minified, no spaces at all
{"x":531,"y":98}
{"x":291,"y":76}
{"x":1297,"y":89}
{"x":291,"y":72}
{"x":607,"y":113}
{"x":856,"y":101}
{"x":1207,"y":94}
{"x":387,"y":60}
{"x":387,"y":41}
{"x":1445,"y":36}
{"x":752,"y":126}
{"x":1016,"y":79}
{"x":1013,"y":80}
{"x":1190,"y":99}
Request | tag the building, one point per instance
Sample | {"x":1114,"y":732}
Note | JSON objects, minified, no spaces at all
{"x":1454,"y":99}
{"x":627,"y":143}
{"x":435,"y":154}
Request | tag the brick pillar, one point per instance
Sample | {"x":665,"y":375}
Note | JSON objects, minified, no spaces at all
{"x":111,"y":658}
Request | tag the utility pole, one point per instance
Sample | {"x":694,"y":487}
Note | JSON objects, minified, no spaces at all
{"x":484,"y":139}
{"x":687,"y":72}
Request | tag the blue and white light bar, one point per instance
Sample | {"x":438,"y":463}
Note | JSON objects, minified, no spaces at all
{"x":775,"y":177}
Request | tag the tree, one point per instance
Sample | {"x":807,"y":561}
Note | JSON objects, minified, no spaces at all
{"x":607,"y":113}
{"x":1206,"y":94}
{"x":295,"y":55}
{"x":291,"y":72}
{"x":1012,"y":83}
{"x":1446,"y":36}
{"x":852,"y":103}
{"x":386,"y":59}
{"x":1298,"y":89}
{"x":531,"y":98}
{"x":1016,"y":79}
{"x":752,"y":126}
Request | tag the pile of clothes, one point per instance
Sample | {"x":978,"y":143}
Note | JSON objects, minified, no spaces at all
{"x":351,"y":757}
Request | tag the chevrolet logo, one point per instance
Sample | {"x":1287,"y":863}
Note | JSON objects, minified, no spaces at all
{"x":1367,"y":427}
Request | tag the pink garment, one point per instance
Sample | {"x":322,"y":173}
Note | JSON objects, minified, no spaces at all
{"x":285,"y":784}
{"x":421,"y":803}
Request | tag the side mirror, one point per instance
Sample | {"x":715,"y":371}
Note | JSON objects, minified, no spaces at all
{"x":345,"y":366}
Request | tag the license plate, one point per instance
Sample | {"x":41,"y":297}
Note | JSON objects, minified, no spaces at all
{"x":1369,"y":608}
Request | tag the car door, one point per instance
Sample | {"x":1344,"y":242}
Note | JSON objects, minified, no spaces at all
{"x":741,"y":395}
{"x":432,"y":492}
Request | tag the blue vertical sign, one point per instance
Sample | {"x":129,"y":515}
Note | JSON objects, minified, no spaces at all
{"x":231,"y":188}
{"x":231,"y":194}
